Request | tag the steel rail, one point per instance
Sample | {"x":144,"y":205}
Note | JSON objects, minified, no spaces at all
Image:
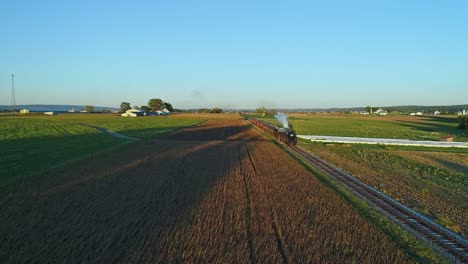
{"x":425,"y":228}
{"x":445,"y":241}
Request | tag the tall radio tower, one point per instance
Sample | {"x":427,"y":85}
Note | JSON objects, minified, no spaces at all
{"x":13,"y":97}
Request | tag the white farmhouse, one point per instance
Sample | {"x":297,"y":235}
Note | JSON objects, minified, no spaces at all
{"x":437,"y":112}
{"x":134,"y":112}
{"x":163,"y":112}
{"x":24,"y":111}
{"x":380,"y":112}
{"x":419,"y":113}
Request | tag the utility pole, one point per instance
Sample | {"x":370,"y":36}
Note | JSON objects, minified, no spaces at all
{"x":13,"y":97}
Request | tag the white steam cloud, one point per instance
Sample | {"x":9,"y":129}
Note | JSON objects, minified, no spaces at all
{"x":283,"y":119}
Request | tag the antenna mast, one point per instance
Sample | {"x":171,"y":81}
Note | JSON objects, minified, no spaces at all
{"x":13,"y":98}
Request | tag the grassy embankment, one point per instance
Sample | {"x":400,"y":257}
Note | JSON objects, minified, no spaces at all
{"x":406,"y":241}
{"x":36,"y":143}
{"x":395,"y":126}
{"x":412,"y":246}
{"x":432,"y":181}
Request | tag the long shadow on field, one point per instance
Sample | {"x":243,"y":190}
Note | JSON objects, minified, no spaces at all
{"x":439,"y":128}
{"x":115,"y":207}
{"x":207,"y":132}
{"x":442,"y":119}
{"x":452,"y":165}
{"x":21,"y":158}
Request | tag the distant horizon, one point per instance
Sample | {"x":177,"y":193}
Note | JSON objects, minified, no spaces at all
{"x":240,"y":54}
{"x":281,"y":108}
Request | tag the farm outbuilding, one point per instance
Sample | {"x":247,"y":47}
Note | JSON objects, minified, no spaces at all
{"x":24,"y":111}
{"x":380,"y":112}
{"x":447,"y":138}
{"x":134,"y":112}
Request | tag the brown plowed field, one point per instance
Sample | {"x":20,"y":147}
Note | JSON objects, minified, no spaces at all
{"x":216,"y":193}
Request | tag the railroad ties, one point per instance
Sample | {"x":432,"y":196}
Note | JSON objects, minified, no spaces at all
{"x":447,"y":242}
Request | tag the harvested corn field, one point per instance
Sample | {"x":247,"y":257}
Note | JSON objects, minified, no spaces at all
{"x":218,"y":192}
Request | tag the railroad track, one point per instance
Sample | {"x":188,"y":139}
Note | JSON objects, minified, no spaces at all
{"x":445,"y":241}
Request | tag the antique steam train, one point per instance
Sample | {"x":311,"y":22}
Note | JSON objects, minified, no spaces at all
{"x":285,"y":135}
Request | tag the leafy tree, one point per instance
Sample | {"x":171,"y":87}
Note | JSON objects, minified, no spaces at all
{"x":463,"y":122}
{"x":371,"y":109}
{"x":265,"y":112}
{"x":89,"y":108}
{"x":260,"y":110}
{"x":216,"y":110}
{"x":144,"y":107}
{"x":168,"y":106}
{"x":155,"y":104}
{"x":124,"y":106}
{"x":136,"y":107}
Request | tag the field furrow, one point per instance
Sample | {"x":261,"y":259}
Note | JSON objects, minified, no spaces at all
{"x":187,"y":198}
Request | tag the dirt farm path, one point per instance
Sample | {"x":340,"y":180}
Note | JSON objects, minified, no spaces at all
{"x":219,"y":192}
{"x":110,"y":132}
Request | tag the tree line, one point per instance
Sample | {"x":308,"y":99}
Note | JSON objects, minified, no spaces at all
{"x":215,"y":110}
{"x":154,"y":104}
{"x":463,"y":122}
{"x":443,"y":109}
{"x":265,"y":112}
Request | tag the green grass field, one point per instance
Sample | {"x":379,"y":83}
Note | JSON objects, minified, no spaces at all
{"x":34,"y":144}
{"x":431,"y":180}
{"x":395,"y":126}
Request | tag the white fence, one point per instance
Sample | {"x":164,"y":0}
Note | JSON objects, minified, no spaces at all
{"x":384,"y":141}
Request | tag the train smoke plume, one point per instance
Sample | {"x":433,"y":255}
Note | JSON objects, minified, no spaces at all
{"x":283,"y":119}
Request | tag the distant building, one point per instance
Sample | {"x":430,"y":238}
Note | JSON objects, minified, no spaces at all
{"x":412,"y":114}
{"x":436,"y":113}
{"x":163,"y":112}
{"x":134,"y":112}
{"x":447,"y":138}
{"x":48,"y":113}
{"x":363,"y":112}
{"x":380,"y":112}
{"x":462,"y":112}
{"x":24,"y":111}
{"x":419,"y":113}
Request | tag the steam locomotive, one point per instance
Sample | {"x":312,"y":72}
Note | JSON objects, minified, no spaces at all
{"x":285,"y":135}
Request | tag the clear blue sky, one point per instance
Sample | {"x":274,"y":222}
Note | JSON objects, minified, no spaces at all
{"x":236,"y":54}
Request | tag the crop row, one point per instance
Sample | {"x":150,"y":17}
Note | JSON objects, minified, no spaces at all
{"x":435,"y":186}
